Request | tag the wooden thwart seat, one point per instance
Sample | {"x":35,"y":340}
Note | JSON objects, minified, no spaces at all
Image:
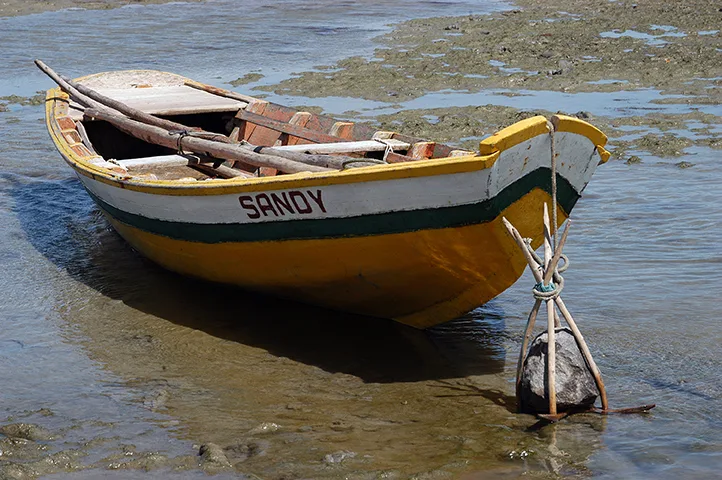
{"x":169,"y":100}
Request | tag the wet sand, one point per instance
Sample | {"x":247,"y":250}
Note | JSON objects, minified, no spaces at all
{"x":10,"y":8}
{"x":570,"y":47}
{"x":348,"y":399}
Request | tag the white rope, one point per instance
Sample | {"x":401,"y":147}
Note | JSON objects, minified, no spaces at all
{"x":389,"y":148}
{"x":550,"y":126}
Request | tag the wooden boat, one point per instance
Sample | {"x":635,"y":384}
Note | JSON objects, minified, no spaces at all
{"x":377,"y":223}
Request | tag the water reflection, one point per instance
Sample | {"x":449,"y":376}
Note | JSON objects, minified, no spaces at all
{"x":75,"y":237}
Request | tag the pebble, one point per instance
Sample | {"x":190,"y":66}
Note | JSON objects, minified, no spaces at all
{"x":212,"y":456}
{"x":338,"y":457}
{"x":265,"y":427}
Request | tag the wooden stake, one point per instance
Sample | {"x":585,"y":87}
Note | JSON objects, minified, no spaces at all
{"x":551,"y":323}
{"x":221,"y":92}
{"x":549,"y":273}
{"x":585,"y":352}
{"x":522,"y":245}
{"x":524,"y":347}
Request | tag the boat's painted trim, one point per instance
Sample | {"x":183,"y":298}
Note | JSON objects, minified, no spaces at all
{"x":386,"y":223}
{"x":371,"y":198}
{"x":514,"y":135}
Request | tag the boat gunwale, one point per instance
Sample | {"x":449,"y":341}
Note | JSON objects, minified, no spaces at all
{"x":492,"y":147}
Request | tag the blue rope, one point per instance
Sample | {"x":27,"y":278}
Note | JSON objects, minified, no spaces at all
{"x":540,"y":287}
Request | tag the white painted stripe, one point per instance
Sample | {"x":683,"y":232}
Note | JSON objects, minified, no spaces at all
{"x":576,"y":162}
{"x":339,"y":201}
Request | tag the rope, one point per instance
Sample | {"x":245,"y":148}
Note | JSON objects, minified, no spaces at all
{"x":555,"y":287}
{"x":552,"y":142}
{"x":538,"y":259}
{"x":389,"y":149}
{"x":179,"y":143}
{"x":551,"y":291}
{"x":362,"y":160}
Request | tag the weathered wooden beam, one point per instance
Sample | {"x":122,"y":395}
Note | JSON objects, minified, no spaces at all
{"x":345,"y":147}
{"x":284,"y":127}
{"x":92,"y":99}
{"x":159,"y":136}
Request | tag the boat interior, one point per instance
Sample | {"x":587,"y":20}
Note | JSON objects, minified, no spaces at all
{"x":239,"y":119}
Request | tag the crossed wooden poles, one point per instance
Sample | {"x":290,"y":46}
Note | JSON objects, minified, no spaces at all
{"x":548,"y":288}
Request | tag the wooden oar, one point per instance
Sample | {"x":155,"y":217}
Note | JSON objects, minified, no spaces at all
{"x":181,"y":140}
{"x":90,"y":98}
{"x":93,"y":99}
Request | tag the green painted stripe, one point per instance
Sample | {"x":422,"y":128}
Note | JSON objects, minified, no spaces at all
{"x":378,"y":224}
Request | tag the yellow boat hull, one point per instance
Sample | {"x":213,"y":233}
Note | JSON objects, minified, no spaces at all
{"x":445,"y":271}
{"x":418,"y":242}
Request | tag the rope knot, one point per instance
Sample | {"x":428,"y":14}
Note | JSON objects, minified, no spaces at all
{"x":181,"y":134}
{"x":550,"y":291}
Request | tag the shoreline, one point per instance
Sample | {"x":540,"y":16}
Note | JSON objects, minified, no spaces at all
{"x":17,"y":8}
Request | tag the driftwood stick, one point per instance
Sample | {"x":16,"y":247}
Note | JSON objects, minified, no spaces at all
{"x":549,"y":273}
{"x":592,"y":409}
{"x":522,"y":245}
{"x":547,"y":241}
{"x":551,"y":358}
{"x":551,"y":322}
{"x":159,"y":136}
{"x":547,"y":264}
{"x":524,"y":347}
{"x":221,"y":170}
{"x":321,"y":160}
{"x":640,"y":409}
{"x":585,"y":352}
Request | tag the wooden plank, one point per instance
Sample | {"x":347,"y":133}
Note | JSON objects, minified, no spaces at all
{"x":299,"y":119}
{"x":157,"y":161}
{"x":183,"y":161}
{"x":174,"y":100}
{"x":398,"y":158}
{"x":346,"y":147}
{"x":267,"y":136}
{"x":284,"y":127}
{"x":461,"y":153}
{"x":421,"y":150}
{"x":342,"y":129}
{"x":243,"y":130}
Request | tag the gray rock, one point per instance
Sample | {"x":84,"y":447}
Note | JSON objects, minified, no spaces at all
{"x":213,"y":456}
{"x":244,"y":450}
{"x":575,"y":386}
{"x":28,"y":431}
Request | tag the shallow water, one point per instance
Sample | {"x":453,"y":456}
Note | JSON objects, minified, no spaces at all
{"x":131,"y":368}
